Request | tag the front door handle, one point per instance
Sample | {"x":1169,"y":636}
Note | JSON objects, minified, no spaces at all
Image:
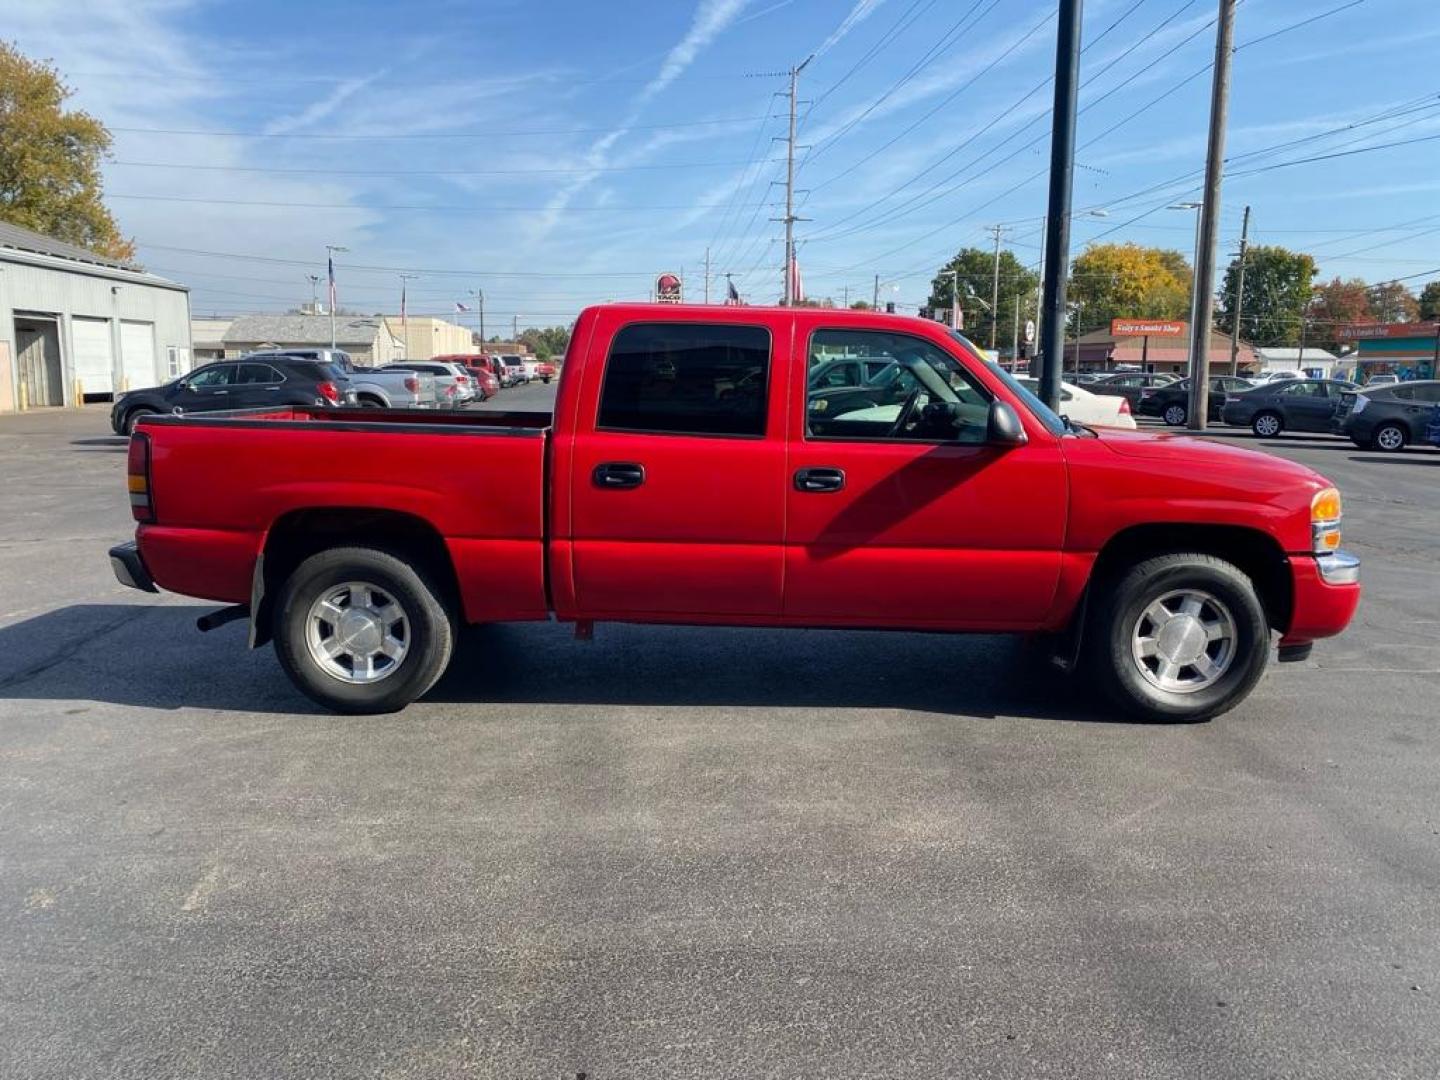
{"x":820,"y":480}
{"x":618,"y":475}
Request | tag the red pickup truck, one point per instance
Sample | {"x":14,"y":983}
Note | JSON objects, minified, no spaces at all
{"x":691,"y":473}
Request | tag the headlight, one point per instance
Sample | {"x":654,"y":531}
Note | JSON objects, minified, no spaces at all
{"x":1325,"y":521}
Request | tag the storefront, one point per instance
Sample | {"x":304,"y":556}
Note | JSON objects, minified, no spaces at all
{"x":1409,"y":350}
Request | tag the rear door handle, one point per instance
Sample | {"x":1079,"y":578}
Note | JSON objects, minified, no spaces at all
{"x":618,"y":475}
{"x":820,"y":479}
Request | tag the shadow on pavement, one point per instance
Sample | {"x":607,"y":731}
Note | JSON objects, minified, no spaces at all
{"x":119,"y":441}
{"x":152,"y":656}
{"x":1397,"y":459}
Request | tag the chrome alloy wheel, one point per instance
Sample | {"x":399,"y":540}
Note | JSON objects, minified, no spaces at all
{"x":1267,"y":425}
{"x":1174,"y":415}
{"x":1184,"y":641}
{"x":357,"y":633}
{"x":1390,"y":438}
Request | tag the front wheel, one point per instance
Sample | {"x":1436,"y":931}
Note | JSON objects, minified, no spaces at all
{"x":545,"y":381}
{"x":134,"y":417}
{"x":1174,"y":415}
{"x":358,"y":630}
{"x":1179,"y":637}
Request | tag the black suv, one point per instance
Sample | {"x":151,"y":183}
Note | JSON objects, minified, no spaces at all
{"x":268,"y":381}
{"x":1388,"y":417}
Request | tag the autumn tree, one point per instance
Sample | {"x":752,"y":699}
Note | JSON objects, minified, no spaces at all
{"x":50,"y":160}
{"x":1128,"y":281}
{"x":1336,"y":304}
{"x":1430,"y":302}
{"x":1277,"y":293}
{"x":1393,"y":302}
{"x":977,"y":282}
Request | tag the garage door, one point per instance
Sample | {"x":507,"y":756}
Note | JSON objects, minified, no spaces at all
{"x":94,"y":357}
{"x":137,"y":355}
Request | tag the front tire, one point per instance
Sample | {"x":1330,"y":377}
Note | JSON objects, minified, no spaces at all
{"x":1175,"y":415}
{"x":360,"y":631}
{"x":1179,"y":638}
{"x":1389,"y":437}
{"x":1267,"y":425}
{"x":133,"y":417}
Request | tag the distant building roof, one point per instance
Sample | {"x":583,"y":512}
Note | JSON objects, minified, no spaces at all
{"x":303,"y":330}
{"x":1291,"y":355}
{"x":28,"y":242}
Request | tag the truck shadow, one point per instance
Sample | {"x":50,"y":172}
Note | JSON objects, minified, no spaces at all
{"x":151,"y":656}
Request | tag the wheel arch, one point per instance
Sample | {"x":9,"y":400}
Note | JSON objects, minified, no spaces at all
{"x":299,"y":534}
{"x":1257,"y":553}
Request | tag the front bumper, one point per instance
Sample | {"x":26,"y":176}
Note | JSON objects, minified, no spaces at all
{"x":129,"y":567}
{"x":1326,"y":594}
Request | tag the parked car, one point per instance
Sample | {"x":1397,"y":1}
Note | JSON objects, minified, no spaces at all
{"x":1084,"y":407}
{"x":1389,"y":379}
{"x":1172,"y":403}
{"x":487,"y":386}
{"x":339,"y":357}
{"x":1432,"y":429}
{"x":516,"y":366}
{"x":1131,"y":385}
{"x":1265,"y":378}
{"x":506,"y":375}
{"x":1388,"y":418}
{"x":374,"y":387}
{"x":484,"y":383}
{"x":1285,"y":405}
{"x":649,"y":495}
{"x":453,"y":385}
{"x":265,"y":382}
{"x":545,"y":371}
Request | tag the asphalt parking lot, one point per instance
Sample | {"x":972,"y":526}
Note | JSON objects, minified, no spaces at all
{"x":702,"y":852}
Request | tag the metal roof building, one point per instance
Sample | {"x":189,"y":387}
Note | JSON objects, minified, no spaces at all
{"x":368,"y":340}
{"x":78,"y":326}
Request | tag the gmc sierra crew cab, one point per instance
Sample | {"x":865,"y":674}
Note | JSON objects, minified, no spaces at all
{"x":693,"y":473}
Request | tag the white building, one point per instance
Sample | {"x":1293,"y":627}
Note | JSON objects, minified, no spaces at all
{"x":77,"y":326}
{"x":1309,"y":359}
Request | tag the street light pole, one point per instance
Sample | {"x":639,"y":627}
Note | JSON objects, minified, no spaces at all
{"x":331,"y":250}
{"x":314,"y":280}
{"x":954,"y":298}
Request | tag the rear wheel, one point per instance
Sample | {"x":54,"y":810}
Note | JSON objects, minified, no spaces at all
{"x":368,"y":402}
{"x":1175,"y":415}
{"x":1267,"y":425}
{"x":1389,"y":437}
{"x":358,"y":630}
{"x":1179,"y":637}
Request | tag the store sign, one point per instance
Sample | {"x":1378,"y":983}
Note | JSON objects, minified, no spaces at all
{"x":1372,"y":331}
{"x":1147,"y":328}
{"x":669,"y":289}
{"x":1029,"y":331}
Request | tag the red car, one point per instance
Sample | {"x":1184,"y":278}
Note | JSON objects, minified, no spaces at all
{"x":545,"y":372}
{"x":690,"y":475}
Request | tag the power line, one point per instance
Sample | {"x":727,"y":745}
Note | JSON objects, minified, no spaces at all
{"x":414,"y":135}
{"x":405,"y":206}
{"x":176,"y":165}
{"x":429,"y":271}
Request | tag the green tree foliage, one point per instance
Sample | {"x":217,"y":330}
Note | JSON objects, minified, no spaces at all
{"x":547,"y":342}
{"x":1430,"y":302}
{"x":977,"y":269}
{"x":1128,"y":281}
{"x":1277,"y":293}
{"x":50,"y":160}
{"x":1393,"y":302}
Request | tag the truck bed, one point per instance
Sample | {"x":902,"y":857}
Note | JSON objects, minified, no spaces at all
{"x":224,"y":484}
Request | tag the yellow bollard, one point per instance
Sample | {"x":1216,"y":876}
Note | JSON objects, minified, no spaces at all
{"x":24,"y":395}
{"x":79,"y":393}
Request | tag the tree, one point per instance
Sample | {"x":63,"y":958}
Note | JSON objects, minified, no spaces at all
{"x":50,"y":160}
{"x":1393,"y":302}
{"x":546,"y":342}
{"x":864,"y":305}
{"x":1337,"y":303}
{"x":1430,"y":302}
{"x":1128,"y":281}
{"x":977,"y":282}
{"x":1278,"y":291}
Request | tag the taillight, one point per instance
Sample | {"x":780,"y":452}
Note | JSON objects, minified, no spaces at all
{"x":1124,"y":407}
{"x":462,"y":379}
{"x":137,"y":477}
{"x":330,"y":392}
{"x":412,"y":384}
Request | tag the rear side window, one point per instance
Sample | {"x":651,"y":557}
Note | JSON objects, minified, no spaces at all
{"x":1427,"y":392}
{"x":687,"y":379}
{"x":258,"y":375}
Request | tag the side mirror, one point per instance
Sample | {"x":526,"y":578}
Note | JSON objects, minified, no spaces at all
{"x":1003,"y":426}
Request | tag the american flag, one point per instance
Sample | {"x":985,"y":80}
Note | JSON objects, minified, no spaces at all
{"x":733,"y":294}
{"x":404,"y":322}
{"x":459,"y":307}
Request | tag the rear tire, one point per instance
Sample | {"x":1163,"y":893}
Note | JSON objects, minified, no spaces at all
{"x":1178,"y":638}
{"x":333,"y":663}
{"x":1267,"y":425}
{"x":1389,"y":437}
{"x":1175,"y":415}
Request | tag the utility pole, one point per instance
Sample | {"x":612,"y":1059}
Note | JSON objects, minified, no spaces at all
{"x":1239,"y":297}
{"x":1062,"y":175}
{"x":514,"y":327}
{"x":707,"y":275}
{"x":314,"y":280}
{"x":995,"y":289}
{"x":404,"y":312}
{"x":954,"y":298}
{"x":479,"y":295}
{"x":875,"y":300}
{"x":847,"y":296}
{"x":1210,"y":219}
{"x":331,"y":250}
{"x":790,"y":217}
{"x":1015,"y":337}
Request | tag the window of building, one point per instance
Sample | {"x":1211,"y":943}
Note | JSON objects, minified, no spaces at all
{"x":177,"y":360}
{"x":687,"y":379}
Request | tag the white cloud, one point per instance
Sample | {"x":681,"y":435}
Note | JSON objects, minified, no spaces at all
{"x":326,"y":106}
{"x":862,"y":10}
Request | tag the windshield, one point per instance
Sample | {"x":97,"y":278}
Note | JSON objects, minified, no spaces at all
{"x":1038,"y":408}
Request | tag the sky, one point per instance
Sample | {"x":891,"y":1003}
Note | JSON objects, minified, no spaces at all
{"x":552,"y":155}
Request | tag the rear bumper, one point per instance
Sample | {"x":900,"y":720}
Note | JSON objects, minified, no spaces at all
{"x":1327,"y":592}
{"x":130,"y":568}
